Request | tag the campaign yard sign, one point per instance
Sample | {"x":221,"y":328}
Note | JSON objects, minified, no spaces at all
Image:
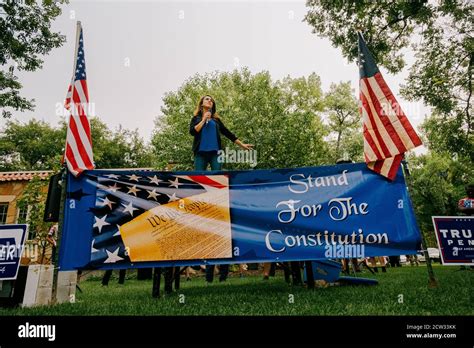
{"x":455,"y":239}
{"x":12,"y":240}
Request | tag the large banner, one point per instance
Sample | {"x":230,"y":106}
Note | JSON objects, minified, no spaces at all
{"x":130,"y":219}
{"x":455,"y":239}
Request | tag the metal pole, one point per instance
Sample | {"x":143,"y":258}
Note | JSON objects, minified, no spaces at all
{"x":64,"y":181}
{"x":432,"y":282}
{"x":60,"y":232}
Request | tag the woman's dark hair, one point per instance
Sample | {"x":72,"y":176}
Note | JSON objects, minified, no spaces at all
{"x":198,"y":110}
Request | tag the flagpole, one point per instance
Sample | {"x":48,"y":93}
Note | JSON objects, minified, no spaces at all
{"x":78,"y":34}
{"x":432,"y":282}
{"x":370,"y":70}
{"x":60,"y":231}
{"x":63,"y":184}
{"x":76,"y":48}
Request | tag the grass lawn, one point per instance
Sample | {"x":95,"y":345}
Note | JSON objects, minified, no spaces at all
{"x":253,"y":296}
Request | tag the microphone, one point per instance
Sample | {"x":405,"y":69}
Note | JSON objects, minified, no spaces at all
{"x":207,"y":121}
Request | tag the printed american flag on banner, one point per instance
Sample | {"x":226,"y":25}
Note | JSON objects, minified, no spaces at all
{"x":388,"y":133}
{"x":78,"y":152}
{"x":122,"y":197}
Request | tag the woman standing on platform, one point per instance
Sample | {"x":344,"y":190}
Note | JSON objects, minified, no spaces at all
{"x":206,"y":126}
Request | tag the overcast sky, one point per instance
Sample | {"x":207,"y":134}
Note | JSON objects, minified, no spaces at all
{"x":136,"y":51}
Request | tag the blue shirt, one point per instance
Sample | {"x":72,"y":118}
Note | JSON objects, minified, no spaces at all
{"x":209,"y":137}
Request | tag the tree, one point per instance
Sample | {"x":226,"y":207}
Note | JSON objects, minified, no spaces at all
{"x":280,"y":118}
{"x":444,"y":134}
{"x":304,"y":103}
{"x":437,"y":183}
{"x":341,"y":107}
{"x":442,"y":73}
{"x":33,"y":199}
{"x":36,"y":145}
{"x":25,"y":34}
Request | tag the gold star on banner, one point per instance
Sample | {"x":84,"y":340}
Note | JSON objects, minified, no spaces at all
{"x":133,"y":190}
{"x":155,"y":180}
{"x":134,"y":177}
{"x":152,"y":194}
{"x":175,"y":183}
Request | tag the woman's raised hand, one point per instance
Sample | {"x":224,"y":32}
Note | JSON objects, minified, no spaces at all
{"x":244,"y":146}
{"x":247,"y":146}
{"x":207,"y":116}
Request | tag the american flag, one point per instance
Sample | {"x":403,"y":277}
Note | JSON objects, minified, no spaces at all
{"x":78,"y":152}
{"x":388,"y":133}
{"x":122,"y":197}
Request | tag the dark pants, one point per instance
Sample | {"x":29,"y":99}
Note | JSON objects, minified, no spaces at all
{"x":202,"y":159}
{"x":108,"y":273}
{"x":170,"y":274}
{"x":394,"y":261}
{"x":223,"y":272}
{"x":292,"y":269}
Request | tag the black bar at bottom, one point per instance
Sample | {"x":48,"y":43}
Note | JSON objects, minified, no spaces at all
{"x":383,"y":330}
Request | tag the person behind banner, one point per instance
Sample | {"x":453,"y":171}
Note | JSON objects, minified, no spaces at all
{"x":466,"y":204}
{"x":206,"y":127}
{"x":51,"y":238}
